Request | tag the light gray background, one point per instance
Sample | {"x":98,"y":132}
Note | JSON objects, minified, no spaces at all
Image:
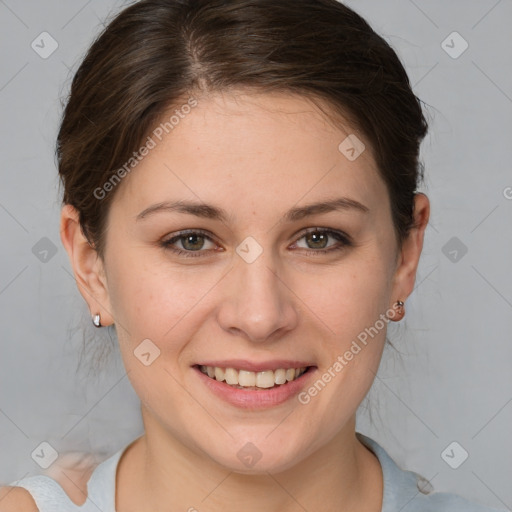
{"x":454,"y":379}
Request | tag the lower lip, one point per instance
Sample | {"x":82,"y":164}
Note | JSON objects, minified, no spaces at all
{"x":256,"y":399}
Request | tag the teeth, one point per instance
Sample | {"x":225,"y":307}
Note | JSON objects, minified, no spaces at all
{"x":219,"y":374}
{"x":265,"y":379}
{"x":280,"y":376}
{"x":244,"y":379}
{"x":231,"y":376}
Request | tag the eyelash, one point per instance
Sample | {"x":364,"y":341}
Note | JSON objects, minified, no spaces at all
{"x":341,"y":237}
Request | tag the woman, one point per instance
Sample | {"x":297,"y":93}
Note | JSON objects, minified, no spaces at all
{"x":240,"y":203}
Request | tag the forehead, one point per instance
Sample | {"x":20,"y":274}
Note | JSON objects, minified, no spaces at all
{"x":250,"y":149}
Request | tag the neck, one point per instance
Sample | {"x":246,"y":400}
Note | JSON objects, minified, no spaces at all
{"x":342,"y":476}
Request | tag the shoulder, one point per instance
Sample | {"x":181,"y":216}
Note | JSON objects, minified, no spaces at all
{"x":409,"y":491}
{"x":72,"y":472}
{"x":414,"y":493}
{"x":16,"y":499}
{"x":448,"y":502}
{"x":66,"y":477}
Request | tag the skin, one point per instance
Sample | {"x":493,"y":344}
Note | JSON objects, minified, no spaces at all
{"x":256,"y":156}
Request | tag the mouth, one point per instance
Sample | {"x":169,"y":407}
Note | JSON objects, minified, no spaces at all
{"x":252,"y":380}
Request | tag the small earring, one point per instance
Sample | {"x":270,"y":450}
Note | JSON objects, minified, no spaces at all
{"x":400,"y":307}
{"x":96,"y":320}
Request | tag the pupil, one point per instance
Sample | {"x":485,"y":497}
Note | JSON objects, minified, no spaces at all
{"x":317,"y":236}
{"x":191,"y":238}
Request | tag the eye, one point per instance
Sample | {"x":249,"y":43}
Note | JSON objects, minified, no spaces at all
{"x":317,"y":239}
{"x":191,"y":241}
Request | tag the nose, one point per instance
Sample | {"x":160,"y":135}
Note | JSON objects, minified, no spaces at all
{"x":258,"y":303}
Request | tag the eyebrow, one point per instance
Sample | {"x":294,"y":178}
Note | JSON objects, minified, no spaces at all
{"x":209,"y":211}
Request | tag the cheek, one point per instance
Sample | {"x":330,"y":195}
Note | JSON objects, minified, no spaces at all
{"x":351,"y":306}
{"x":349,"y":297}
{"x":153,"y":299}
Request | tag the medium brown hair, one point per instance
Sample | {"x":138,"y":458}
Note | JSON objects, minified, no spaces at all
{"x":156,"y":52}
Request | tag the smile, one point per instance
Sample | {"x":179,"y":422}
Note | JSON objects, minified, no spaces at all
{"x":243,"y":379}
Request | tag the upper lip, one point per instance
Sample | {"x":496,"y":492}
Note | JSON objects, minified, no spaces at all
{"x":251,"y":366}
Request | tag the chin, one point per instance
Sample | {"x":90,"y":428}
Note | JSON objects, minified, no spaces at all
{"x":262,"y":466}
{"x":259,"y":457}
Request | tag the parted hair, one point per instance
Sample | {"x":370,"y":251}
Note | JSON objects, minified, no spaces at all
{"x":155,"y":53}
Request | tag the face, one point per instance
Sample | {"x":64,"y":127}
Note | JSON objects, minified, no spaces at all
{"x":254,"y":282}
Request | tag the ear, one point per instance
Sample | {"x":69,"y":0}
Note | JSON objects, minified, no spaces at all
{"x":408,"y":259}
{"x":87,"y":266}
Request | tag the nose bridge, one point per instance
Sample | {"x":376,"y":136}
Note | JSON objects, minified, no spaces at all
{"x":259,"y":304}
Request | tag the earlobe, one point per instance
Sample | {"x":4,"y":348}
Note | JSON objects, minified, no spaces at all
{"x":405,"y":275}
{"x":87,"y":266}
